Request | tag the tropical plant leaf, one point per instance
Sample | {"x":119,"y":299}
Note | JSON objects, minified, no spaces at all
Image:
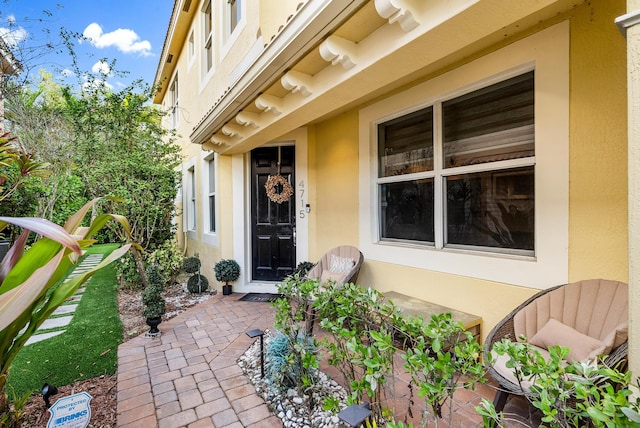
{"x":46,"y":228}
{"x":14,"y":302}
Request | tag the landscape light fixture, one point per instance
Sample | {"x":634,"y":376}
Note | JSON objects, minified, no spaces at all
{"x":255,"y":333}
{"x":47,"y":391}
{"x":355,"y":414}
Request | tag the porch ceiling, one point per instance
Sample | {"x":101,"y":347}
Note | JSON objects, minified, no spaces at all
{"x":328,"y":60}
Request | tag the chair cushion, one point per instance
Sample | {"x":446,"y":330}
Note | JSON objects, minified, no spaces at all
{"x":341,"y":264}
{"x":593,"y":307}
{"x":581,"y":347}
{"x":500,"y":366}
{"x":331,"y":276}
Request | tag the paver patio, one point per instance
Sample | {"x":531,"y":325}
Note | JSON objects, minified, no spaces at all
{"x":189,"y":376}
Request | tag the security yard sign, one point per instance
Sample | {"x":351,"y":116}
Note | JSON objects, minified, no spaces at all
{"x":72,"y":411}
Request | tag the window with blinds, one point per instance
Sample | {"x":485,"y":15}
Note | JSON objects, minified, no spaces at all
{"x":465,"y":163}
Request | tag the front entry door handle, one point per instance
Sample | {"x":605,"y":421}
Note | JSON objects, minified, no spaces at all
{"x":295,"y":237}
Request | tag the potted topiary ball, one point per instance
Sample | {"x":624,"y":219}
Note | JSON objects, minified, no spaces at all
{"x":227,"y":271}
{"x":154,"y":304}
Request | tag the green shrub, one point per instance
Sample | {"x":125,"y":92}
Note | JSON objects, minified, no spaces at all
{"x":127,"y":274}
{"x":227,"y":270}
{"x":197,"y":283}
{"x":191,"y":264}
{"x":302,"y":269}
{"x":169,"y":260}
{"x":151,"y":296}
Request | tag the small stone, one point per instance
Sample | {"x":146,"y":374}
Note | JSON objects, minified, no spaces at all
{"x":298,"y":400}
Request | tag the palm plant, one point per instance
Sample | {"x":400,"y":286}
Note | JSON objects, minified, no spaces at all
{"x":30,"y":281}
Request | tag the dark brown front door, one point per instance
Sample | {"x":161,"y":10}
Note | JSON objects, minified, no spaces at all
{"x":272,"y":224}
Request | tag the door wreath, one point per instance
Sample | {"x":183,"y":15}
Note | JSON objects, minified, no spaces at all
{"x":272,"y":188}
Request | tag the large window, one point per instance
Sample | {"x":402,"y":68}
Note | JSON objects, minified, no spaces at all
{"x":207,"y":34}
{"x":467,"y":173}
{"x":476,"y":174}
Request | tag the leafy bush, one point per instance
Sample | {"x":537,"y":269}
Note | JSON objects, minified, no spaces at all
{"x":227,"y":270}
{"x":197,"y":283}
{"x":151,"y":296}
{"x":168,"y":257}
{"x":127,"y":274}
{"x":302,"y":269}
{"x":191,"y":264}
{"x":569,"y":394}
{"x":284,"y":369}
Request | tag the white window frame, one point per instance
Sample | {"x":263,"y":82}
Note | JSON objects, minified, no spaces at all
{"x":210,"y":237}
{"x":207,"y":39}
{"x":547,"y":52}
{"x":189,"y":211}
{"x":191,"y":48}
{"x":174,"y":110}
{"x":231,"y":36}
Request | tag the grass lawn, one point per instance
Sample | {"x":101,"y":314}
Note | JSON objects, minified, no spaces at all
{"x":88,"y":348}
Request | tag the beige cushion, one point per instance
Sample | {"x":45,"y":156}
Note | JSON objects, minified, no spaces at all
{"x":581,"y":347}
{"x":594,"y":308}
{"x":331,"y":276}
{"x":500,"y":365}
{"x":341,"y":264}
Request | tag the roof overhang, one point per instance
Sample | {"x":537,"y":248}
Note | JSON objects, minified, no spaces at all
{"x":414,"y":40}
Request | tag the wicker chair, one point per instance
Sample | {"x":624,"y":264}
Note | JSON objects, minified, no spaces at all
{"x":348,"y":260}
{"x":345,"y":253}
{"x":595,"y":308}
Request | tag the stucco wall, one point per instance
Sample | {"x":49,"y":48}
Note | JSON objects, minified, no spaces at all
{"x":335,"y":153}
{"x":598,"y":149}
{"x":598,"y":183}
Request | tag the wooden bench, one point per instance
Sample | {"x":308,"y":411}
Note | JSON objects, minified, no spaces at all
{"x":418,"y":307}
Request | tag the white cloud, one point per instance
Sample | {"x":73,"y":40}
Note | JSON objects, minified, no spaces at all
{"x":96,"y":83}
{"x":67,"y":73}
{"x":13,"y":34}
{"x":101,"y":67}
{"x":124,"y":40}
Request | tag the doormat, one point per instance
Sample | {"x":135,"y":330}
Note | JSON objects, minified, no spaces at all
{"x":260,"y":297}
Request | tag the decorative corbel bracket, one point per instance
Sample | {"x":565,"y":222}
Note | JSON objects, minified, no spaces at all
{"x":216,"y":142}
{"x":232,"y":130}
{"x":246,"y":118}
{"x":295,"y":81}
{"x":339,"y":51}
{"x":395,"y":12}
{"x":269,"y":103}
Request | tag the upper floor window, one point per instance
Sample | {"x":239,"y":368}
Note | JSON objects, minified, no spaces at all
{"x":207,"y":34}
{"x":233,"y":14}
{"x":173,"y":108}
{"x":460,"y":173}
{"x":191,"y":52}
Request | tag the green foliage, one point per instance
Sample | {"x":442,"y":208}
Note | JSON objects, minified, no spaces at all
{"x":88,"y":346}
{"x":572,"y":394}
{"x":227,"y":270}
{"x":127,"y":273}
{"x":154,"y":304}
{"x":197,"y":283}
{"x":31,"y":288}
{"x":191,"y":264}
{"x":303,"y":268}
{"x":168,"y":257}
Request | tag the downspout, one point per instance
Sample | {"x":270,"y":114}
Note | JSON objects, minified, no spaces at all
{"x":628,"y":25}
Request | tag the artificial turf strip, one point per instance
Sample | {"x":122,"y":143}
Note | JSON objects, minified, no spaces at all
{"x":87,"y":349}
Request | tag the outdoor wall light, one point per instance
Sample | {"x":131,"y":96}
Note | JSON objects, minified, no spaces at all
{"x":255,"y":333}
{"x":47,"y":391}
{"x":355,"y":414}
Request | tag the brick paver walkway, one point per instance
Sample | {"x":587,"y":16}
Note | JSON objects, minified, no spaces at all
{"x":189,"y":376}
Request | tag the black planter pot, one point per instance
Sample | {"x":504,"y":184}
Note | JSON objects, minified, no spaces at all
{"x":227,"y":289}
{"x":153,"y":323}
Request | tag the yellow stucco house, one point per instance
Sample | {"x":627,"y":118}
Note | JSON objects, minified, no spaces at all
{"x":475,"y":151}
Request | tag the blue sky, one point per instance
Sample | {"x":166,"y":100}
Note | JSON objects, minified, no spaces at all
{"x":129,"y":31}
